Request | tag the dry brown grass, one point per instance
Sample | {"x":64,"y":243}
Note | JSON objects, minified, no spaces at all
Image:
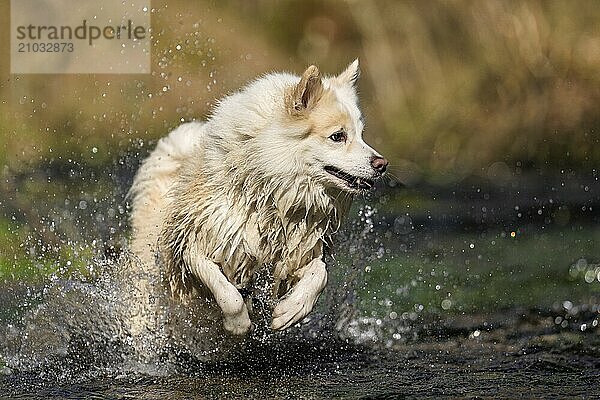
{"x":451,"y":86}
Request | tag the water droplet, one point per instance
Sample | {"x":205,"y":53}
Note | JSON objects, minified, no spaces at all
{"x":590,"y":276}
{"x":403,"y":225}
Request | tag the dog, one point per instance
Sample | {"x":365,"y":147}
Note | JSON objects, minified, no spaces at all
{"x":263,"y":183}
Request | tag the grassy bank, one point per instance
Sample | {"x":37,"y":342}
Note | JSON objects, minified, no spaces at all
{"x":464,"y":273}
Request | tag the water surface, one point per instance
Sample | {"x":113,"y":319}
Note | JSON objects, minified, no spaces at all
{"x":415,"y":308}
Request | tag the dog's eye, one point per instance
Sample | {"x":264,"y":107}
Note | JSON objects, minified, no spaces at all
{"x":339,"y":136}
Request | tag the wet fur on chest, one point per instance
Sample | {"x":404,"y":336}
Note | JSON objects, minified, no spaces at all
{"x":243,"y":222}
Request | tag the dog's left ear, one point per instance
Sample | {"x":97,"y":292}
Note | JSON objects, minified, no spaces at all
{"x":350,"y":74}
{"x":306,"y":93}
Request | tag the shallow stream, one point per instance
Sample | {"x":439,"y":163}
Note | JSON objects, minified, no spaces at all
{"x":422,"y":302}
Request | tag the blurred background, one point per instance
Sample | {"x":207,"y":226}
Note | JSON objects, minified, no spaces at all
{"x":477,"y":256}
{"x":488,"y":111}
{"x":451,"y":87}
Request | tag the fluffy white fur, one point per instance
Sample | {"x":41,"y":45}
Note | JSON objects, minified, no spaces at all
{"x":248,"y":189}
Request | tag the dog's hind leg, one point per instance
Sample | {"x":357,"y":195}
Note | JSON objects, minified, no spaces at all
{"x":300,"y":300}
{"x":235,"y":313}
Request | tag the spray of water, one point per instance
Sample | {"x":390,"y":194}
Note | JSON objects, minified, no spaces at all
{"x":116,"y":319}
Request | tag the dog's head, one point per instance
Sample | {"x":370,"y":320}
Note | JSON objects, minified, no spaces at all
{"x":332,"y":147}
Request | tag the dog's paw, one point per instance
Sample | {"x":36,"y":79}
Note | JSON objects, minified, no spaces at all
{"x":302,"y":298}
{"x":291,"y":310}
{"x":239,"y":323}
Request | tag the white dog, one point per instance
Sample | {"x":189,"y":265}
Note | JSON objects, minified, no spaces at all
{"x":263,"y":183}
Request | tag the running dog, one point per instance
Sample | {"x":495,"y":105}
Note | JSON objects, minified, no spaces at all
{"x":264,"y":182}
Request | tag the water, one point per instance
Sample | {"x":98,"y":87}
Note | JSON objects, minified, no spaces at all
{"x":501,"y":363}
{"x":419,"y":305}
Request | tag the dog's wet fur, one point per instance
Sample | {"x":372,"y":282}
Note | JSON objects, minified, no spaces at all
{"x":263,"y":183}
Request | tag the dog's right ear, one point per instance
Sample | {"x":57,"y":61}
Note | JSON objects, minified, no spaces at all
{"x":306,"y":93}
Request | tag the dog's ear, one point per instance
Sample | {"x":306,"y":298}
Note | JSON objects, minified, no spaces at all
{"x":306,"y":93}
{"x":350,"y":74}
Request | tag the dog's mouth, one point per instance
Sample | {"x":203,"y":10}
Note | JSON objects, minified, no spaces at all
{"x":354,"y":182}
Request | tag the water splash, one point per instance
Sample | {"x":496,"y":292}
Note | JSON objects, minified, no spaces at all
{"x":117,"y":319}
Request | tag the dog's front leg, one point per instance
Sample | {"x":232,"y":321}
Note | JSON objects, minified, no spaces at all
{"x":300,"y":300}
{"x":235,"y":313}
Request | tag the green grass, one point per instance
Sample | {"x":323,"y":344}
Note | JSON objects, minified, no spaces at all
{"x":14,"y":261}
{"x":482,"y":273}
{"x":464,"y":272}
{"x":21,"y":260}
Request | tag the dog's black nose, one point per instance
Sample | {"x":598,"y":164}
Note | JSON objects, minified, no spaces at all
{"x":379,"y":164}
